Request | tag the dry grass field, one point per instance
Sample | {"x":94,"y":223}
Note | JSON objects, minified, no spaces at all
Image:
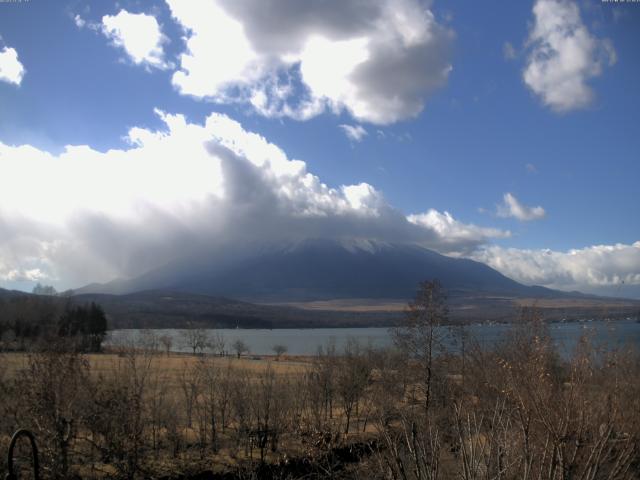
{"x":351,"y":305}
{"x":516,"y":410}
{"x":176,"y":397}
{"x":172,"y":364}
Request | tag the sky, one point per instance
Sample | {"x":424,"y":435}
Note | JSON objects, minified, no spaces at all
{"x":135,"y":131}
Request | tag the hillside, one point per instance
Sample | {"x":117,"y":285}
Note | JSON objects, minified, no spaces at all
{"x":323,"y":270}
{"x":172,"y":309}
{"x":167,"y":309}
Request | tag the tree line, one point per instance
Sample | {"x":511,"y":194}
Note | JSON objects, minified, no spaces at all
{"x":29,"y":320}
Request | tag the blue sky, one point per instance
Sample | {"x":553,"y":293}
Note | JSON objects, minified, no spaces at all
{"x":536,"y":99}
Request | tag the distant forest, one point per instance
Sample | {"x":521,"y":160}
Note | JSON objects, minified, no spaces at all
{"x":26,"y":320}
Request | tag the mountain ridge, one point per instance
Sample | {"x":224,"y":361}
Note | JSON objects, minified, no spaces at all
{"x":321,"y":270}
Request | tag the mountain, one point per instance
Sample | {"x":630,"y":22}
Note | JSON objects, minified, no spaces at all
{"x":171,"y":309}
{"x":325,"y":284}
{"x":322,"y":270}
{"x":7,"y":294}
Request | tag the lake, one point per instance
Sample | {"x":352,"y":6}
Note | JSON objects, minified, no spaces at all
{"x":298,"y":341}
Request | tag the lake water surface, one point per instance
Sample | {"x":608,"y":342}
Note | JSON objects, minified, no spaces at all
{"x":298,"y":341}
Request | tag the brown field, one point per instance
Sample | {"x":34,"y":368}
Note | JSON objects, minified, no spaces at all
{"x":171,"y":374}
{"x":481,"y":306}
{"x":171,"y":365}
{"x":480,"y":413}
{"x":593,"y":303}
{"x":351,"y":305}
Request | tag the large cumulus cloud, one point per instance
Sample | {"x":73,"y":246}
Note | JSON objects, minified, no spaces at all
{"x":139,"y":35}
{"x":11,"y":70}
{"x":610,"y":269}
{"x":512,"y":207}
{"x":377,"y":60}
{"x":564,"y":55}
{"x":85,"y":215}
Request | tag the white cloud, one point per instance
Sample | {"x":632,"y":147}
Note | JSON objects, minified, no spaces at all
{"x":298,"y":59}
{"x":82,"y":23}
{"x":93,"y":216}
{"x":354,"y":132}
{"x":513,"y":208}
{"x":32,"y":275}
{"x":138,"y":34}
{"x":454,"y":232}
{"x":218,"y":53}
{"x":598,"y":268}
{"x":563,"y":56}
{"x":509,"y":51}
{"x":79,"y":21}
{"x":11,"y":70}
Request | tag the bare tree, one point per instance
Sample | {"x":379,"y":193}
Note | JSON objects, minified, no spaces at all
{"x":118,"y":417}
{"x":208,"y":400}
{"x":197,"y":339}
{"x":420,"y":335}
{"x":158,"y":407}
{"x":167,"y":342}
{"x":322,"y":382}
{"x":189,"y":381}
{"x":264,"y":410}
{"x":353,"y":376}
{"x":149,"y":340}
{"x":54,"y":391}
{"x":279,"y":350}
{"x":225,"y":384}
{"x":388,"y":387}
{"x":241,"y":399}
{"x":240,"y":347}
{"x":217,"y":343}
